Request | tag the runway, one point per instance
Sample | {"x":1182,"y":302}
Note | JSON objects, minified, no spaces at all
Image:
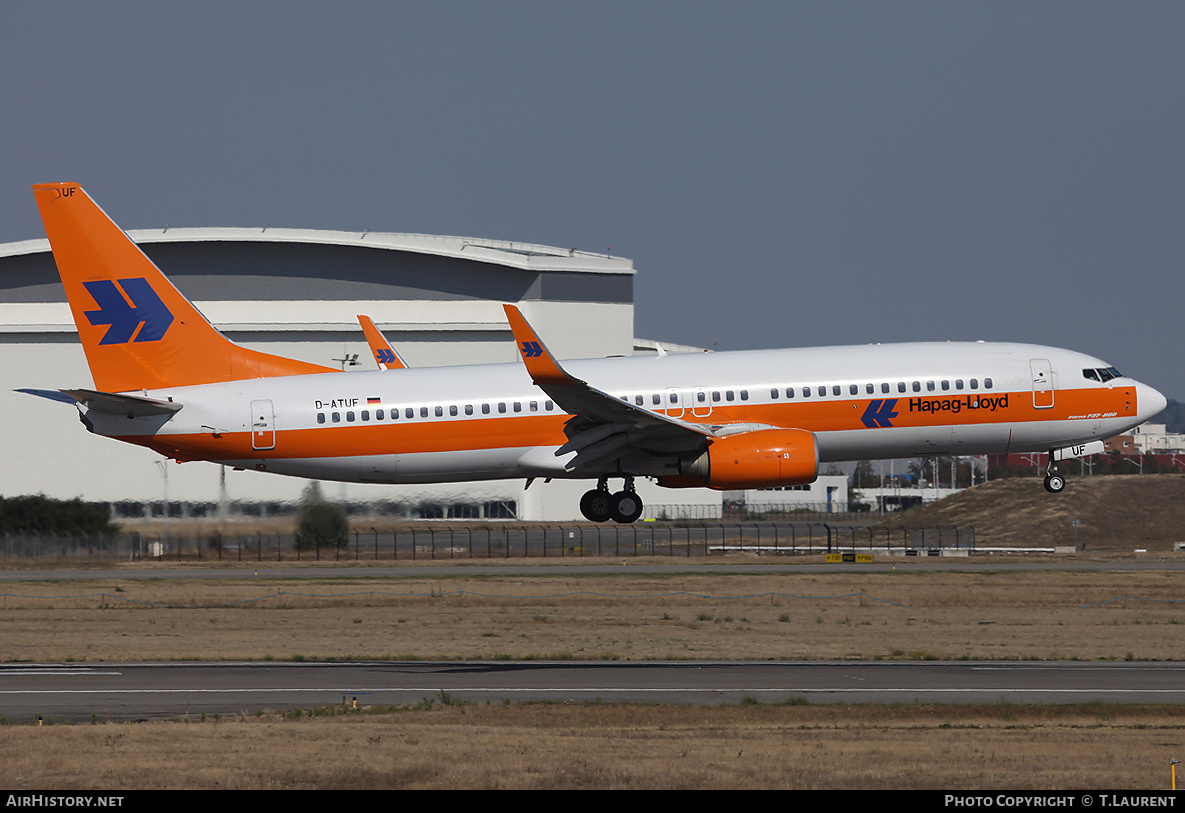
{"x":81,"y":693}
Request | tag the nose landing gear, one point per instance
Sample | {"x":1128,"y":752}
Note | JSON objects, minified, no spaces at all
{"x":1054,"y":482}
{"x":598,"y":505}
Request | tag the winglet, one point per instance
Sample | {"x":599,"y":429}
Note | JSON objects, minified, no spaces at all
{"x":541,"y":364}
{"x":384,"y":353}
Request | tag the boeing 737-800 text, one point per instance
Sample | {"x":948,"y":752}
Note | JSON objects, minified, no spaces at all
{"x":166,"y":379}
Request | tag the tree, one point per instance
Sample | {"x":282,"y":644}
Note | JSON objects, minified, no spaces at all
{"x":320,"y":524}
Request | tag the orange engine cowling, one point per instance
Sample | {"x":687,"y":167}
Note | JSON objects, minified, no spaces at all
{"x":760,"y":459}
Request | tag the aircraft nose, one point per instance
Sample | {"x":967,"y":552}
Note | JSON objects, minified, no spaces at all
{"x":1149,"y":402}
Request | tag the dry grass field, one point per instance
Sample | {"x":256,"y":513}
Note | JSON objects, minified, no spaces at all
{"x":636,"y":615}
{"x":615,"y":747}
{"x":633,"y":616}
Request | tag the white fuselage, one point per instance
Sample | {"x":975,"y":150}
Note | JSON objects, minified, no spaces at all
{"x":490,"y":421}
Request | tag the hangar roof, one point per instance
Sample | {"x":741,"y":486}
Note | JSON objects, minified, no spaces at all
{"x":526,"y":256}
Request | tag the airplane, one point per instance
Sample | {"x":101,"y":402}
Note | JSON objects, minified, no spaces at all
{"x":166,"y":379}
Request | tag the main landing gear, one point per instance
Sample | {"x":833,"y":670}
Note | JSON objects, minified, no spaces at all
{"x":599,"y":505}
{"x":1054,"y":482}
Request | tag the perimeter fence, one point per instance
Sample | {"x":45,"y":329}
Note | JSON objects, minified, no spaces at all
{"x":487,"y":541}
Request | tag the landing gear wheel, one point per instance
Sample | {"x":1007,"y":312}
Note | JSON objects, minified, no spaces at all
{"x":626,"y":507}
{"x":595,"y":505}
{"x":1055,"y":483}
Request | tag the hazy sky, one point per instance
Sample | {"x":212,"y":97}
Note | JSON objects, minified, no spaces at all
{"x":782,"y":174}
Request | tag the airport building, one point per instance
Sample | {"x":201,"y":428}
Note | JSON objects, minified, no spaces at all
{"x":297,"y":293}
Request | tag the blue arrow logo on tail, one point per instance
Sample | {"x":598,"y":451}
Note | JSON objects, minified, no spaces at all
{"x":532,"y":349}
{"x":879,"y":413}
{"x":146,"y":308}
{"x":384,"y":356}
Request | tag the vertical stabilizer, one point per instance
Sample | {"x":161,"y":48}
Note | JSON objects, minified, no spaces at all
{"x":138,"y":331}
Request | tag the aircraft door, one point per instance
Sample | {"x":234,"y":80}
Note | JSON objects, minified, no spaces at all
{"x":263,"y":426}
{"x":1042,"y":383}
{"x":701,"y":406}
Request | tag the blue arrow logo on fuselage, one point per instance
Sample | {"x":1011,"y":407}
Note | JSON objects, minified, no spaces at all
{"x":145,"y":309}
{"x":879,"y":413}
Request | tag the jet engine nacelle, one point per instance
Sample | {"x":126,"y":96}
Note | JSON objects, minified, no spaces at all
{"x":763,"y":458}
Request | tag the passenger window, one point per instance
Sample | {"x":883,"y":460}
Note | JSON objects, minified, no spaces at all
{"x":885,"y":387}
{"x":917,"y":386}
{"x":822,"y":392}
{"x":806,"y":392}
{"x":409,"y":413}
{"x":366,"y":414}
{"x":452,"y":410}
{"x":320,"y":417}
{"x":439,"y":412}
{"x":701,"y":397}
{"x":349,"y":417}
{"x":716,"y":395}
{"x":974,"y":384}
{"x":987,"y":383}
{"x":656,"y":399}
{"x":958,"y":383}
{"x":929,"y":386}
{"x":773,"y":394}
{"x":945,"y":385}
{"x":337,"y":417}
{"x":485,"y":409}
{"x":637,"y":401}
{"x":379,"y":414}
{"x":502,"y":407}
{"x":547,"y":405}
{"x":534,"y":406}
{"x":870,"y":389}
{"x":835,"y":390}
{"x":423,"y":412}
{"x":518,"y":406}
{"x":900,"y":386}
{"x":728,"y":396}
{"x":853,"y":390}
{"x":789,"y":392}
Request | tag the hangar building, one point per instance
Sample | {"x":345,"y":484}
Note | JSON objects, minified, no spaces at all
{"x":297,"y":293}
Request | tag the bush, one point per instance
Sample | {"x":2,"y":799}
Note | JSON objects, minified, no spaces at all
{"x":46,"y":515}
{"x":320,"y":524}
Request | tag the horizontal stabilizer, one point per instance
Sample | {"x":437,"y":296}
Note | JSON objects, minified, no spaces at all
{"x":132,"y":406}
{"x":53,"y":395}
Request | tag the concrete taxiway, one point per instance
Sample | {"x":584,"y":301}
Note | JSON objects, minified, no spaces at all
{"x":74,"y":692}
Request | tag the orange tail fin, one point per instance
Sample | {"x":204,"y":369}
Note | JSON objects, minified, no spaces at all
{"x":139,"y":332}
{"x":384,"y":354}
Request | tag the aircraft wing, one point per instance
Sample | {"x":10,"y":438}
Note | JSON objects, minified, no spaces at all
{"x":604,"y":427}
{"x":382,"y":350}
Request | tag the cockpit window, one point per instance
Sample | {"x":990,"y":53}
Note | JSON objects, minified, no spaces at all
{"x":1103,"y":374}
